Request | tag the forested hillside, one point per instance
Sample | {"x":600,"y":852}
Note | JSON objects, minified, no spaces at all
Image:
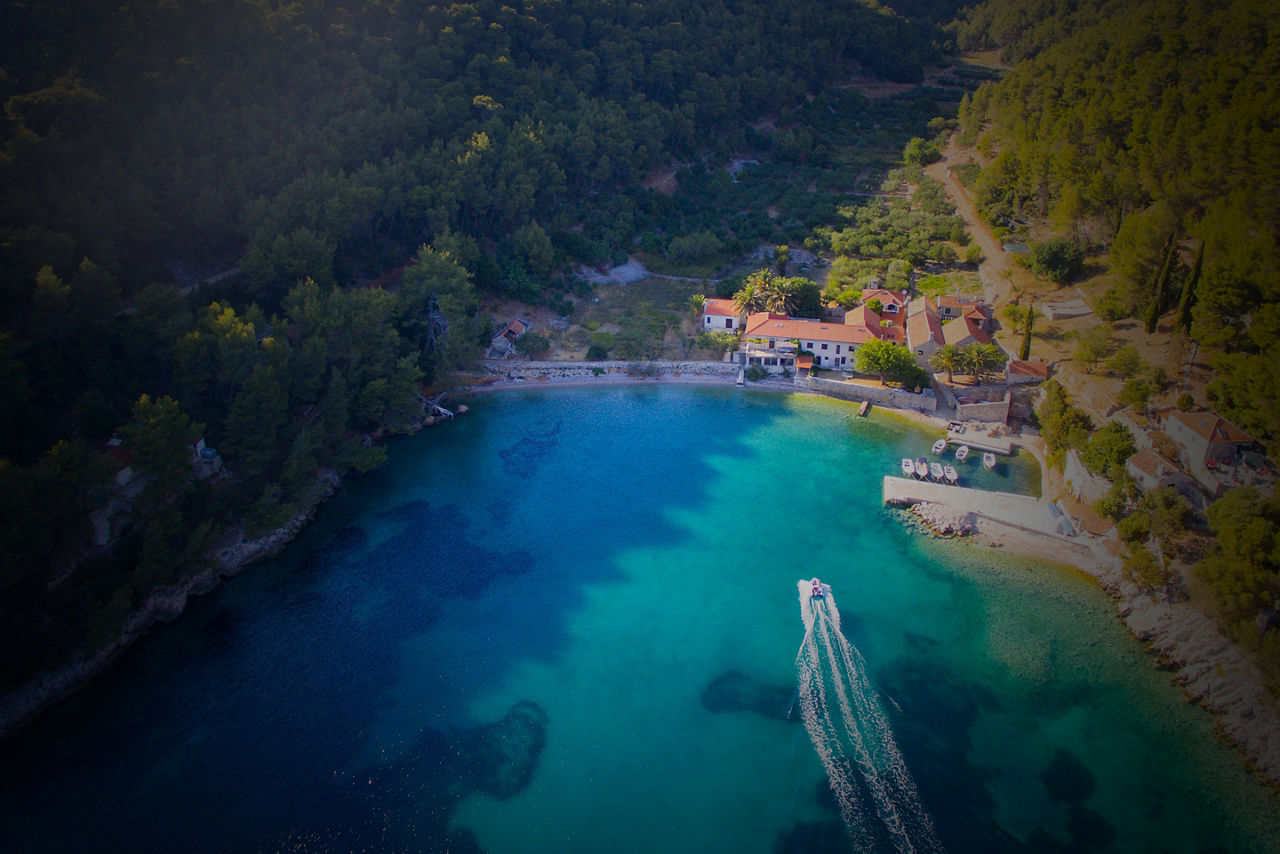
{"x":1156,"y":126}
{"x":1151,"y":131}
{"x":317,"y":146}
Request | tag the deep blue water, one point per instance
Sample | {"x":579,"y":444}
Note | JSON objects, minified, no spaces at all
{"x":569,"y":622}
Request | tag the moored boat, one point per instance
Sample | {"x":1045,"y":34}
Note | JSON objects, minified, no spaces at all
{"x":962,"y":453}
{"x":988,"y":460}
{"x":950,"y":473}
{"x":862,"y":410}
{"x":922,"y":467}
{"x":939,"y":446}
{"x":908,"y":467}
{"x":935,"y":471}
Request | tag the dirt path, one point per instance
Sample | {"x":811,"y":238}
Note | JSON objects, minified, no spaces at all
{"x":1001,"y":277}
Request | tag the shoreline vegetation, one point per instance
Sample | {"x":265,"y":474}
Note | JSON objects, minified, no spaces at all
{"x":1211,"y":670}
{"x":195,"y":356}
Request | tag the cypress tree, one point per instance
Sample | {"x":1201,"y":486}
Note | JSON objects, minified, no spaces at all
{"x":1188,"y":298}
{"x":1024,"y":351}
{"x":1162,"y":281}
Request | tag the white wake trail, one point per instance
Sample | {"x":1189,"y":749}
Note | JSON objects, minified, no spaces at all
{"x":841,"y":710}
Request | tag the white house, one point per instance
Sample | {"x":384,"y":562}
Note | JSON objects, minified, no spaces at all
{"x":719,"y":315}
{"x":832,"y":344}
{"x":1206,"y":437}
{"x":1152,"y":471}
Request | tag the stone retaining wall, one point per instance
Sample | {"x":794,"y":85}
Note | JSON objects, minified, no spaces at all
{"x":926,"y":401}
{"x":529,"y":370}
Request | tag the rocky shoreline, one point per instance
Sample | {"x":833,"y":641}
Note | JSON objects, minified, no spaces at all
{"x":163,"y":605}
{"x":1213,"y":671}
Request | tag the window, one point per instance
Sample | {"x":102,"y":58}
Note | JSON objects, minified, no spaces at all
{"x":824,"y":346}
{"x":837,"y":348}
{"x":708,"y":321}
{"x":728,"y":323}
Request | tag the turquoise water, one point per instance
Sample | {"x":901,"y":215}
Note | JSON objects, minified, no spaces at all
{"x":570,"y":622}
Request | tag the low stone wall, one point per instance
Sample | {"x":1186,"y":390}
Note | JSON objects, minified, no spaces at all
{"x":926,"y":401}
{"x":994,"y":410}
{"x":531,"y":370}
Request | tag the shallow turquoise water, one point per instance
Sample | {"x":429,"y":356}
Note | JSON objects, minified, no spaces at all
{"x":569,"y":622}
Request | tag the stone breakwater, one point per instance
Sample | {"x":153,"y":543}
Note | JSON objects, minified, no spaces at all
{"x":162,"y":605}
{"x":945,"y":521}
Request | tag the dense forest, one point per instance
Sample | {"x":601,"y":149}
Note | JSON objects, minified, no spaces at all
{"x":1152,"y":131}
{"x":1149,"y":133}
{"x":264,"y":230}
{"x":271,"y":227}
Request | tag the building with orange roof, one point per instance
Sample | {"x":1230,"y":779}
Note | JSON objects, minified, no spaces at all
{"x":963,"y":331}
{"x":1152,"y":471}
{"x":832,"y":344}
{"x":892,"y":302}
{"x":1206,"y":438}
{"x":1018,"y":371}
{"x":720,"y":315}
{"x":954,"y":305}
{"x":924,"y":330}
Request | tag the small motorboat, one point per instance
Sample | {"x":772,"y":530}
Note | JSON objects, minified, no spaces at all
{"x":862,"y":410}
{"x":962,"y":453}
{"x":988,"y":460}
{"x":950,"y":473}
{"x":816,"y":591}
{"x":922,"y":467}
{"x":939,"y":446}
{"x":935,"y":471}
{"x":908,"y":467}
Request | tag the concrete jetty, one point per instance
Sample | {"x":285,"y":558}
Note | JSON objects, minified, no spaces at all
{"x":1021,"y":511}
{"x":980,"y":441}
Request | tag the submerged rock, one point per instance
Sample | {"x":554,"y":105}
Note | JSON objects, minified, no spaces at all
{"x":1068,"y":779}
{"x":736,"y":692}
{"x":500,"y":759}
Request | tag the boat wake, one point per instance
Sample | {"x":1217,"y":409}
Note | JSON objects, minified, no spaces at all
{"x":841,"y":710}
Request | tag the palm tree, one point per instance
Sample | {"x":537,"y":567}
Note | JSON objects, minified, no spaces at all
{"x":980,"y":359}
{"x":748,"y":298}
{"x":971,"y":362}
{"x":947,"y":358}
{"x":697,"y":304}
{"x":779,"y":296}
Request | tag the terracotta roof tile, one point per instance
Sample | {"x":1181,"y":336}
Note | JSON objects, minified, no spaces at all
{"x":1210,"y":426}
{"x":1032,"y":368}
{"x":766,"y":325}
{"x":720,"y":308}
